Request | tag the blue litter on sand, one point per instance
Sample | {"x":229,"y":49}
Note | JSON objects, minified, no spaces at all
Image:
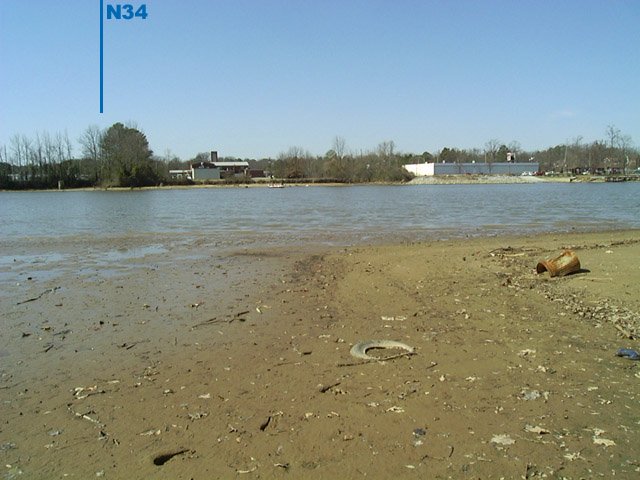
{"x":628,"y":353}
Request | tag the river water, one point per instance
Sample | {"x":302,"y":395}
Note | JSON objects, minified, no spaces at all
{"x":321,"y":215}
{"x":46,"y":235}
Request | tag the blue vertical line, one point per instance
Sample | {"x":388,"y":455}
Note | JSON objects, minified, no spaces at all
{"x":101,"y":56}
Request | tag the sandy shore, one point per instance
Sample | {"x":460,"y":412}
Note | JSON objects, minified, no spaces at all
{"x":198,"y":366}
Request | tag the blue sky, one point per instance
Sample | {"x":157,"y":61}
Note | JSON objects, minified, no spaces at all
{"x":251,"y":78}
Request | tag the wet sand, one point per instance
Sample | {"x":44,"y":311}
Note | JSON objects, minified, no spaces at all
{"x":182,"y":364}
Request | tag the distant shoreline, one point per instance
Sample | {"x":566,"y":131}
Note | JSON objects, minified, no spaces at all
{"x":431,"y":180}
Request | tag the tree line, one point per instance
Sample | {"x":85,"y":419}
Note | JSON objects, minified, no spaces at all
{"x":120,"y":156}
{"x":117,"y":156}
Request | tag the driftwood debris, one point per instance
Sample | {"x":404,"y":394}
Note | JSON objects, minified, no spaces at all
{"x":48,"y":290}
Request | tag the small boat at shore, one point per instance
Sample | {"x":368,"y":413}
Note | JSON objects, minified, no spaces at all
{"x":276,"y":185}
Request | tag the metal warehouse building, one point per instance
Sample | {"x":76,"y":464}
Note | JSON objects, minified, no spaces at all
{"x":499,"y":168}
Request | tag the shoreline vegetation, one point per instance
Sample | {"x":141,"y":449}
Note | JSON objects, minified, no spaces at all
{"x":241,"y":365}
{"x":431,"y":180}
{"x":120,"y":156}
{"x":246,"y":182}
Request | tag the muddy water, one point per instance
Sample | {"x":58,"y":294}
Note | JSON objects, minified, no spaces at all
{"x":233,"y":217}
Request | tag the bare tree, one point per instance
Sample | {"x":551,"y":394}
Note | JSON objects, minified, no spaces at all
{"x":21,"y":152}
{"x":613,"y":135}
{"x":515,"y":149}
{"x":339,"y":146}
{"x":64,"y":149}
{"x":386,"y":149}
{"x":620,"y":144}
{"x":90,"y":140}
{"x":625,"y":144}
{"x":491,"y":149}
{"x":294,"y":162}
{"x":40,"y":152}
{"x":577,"y":157}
